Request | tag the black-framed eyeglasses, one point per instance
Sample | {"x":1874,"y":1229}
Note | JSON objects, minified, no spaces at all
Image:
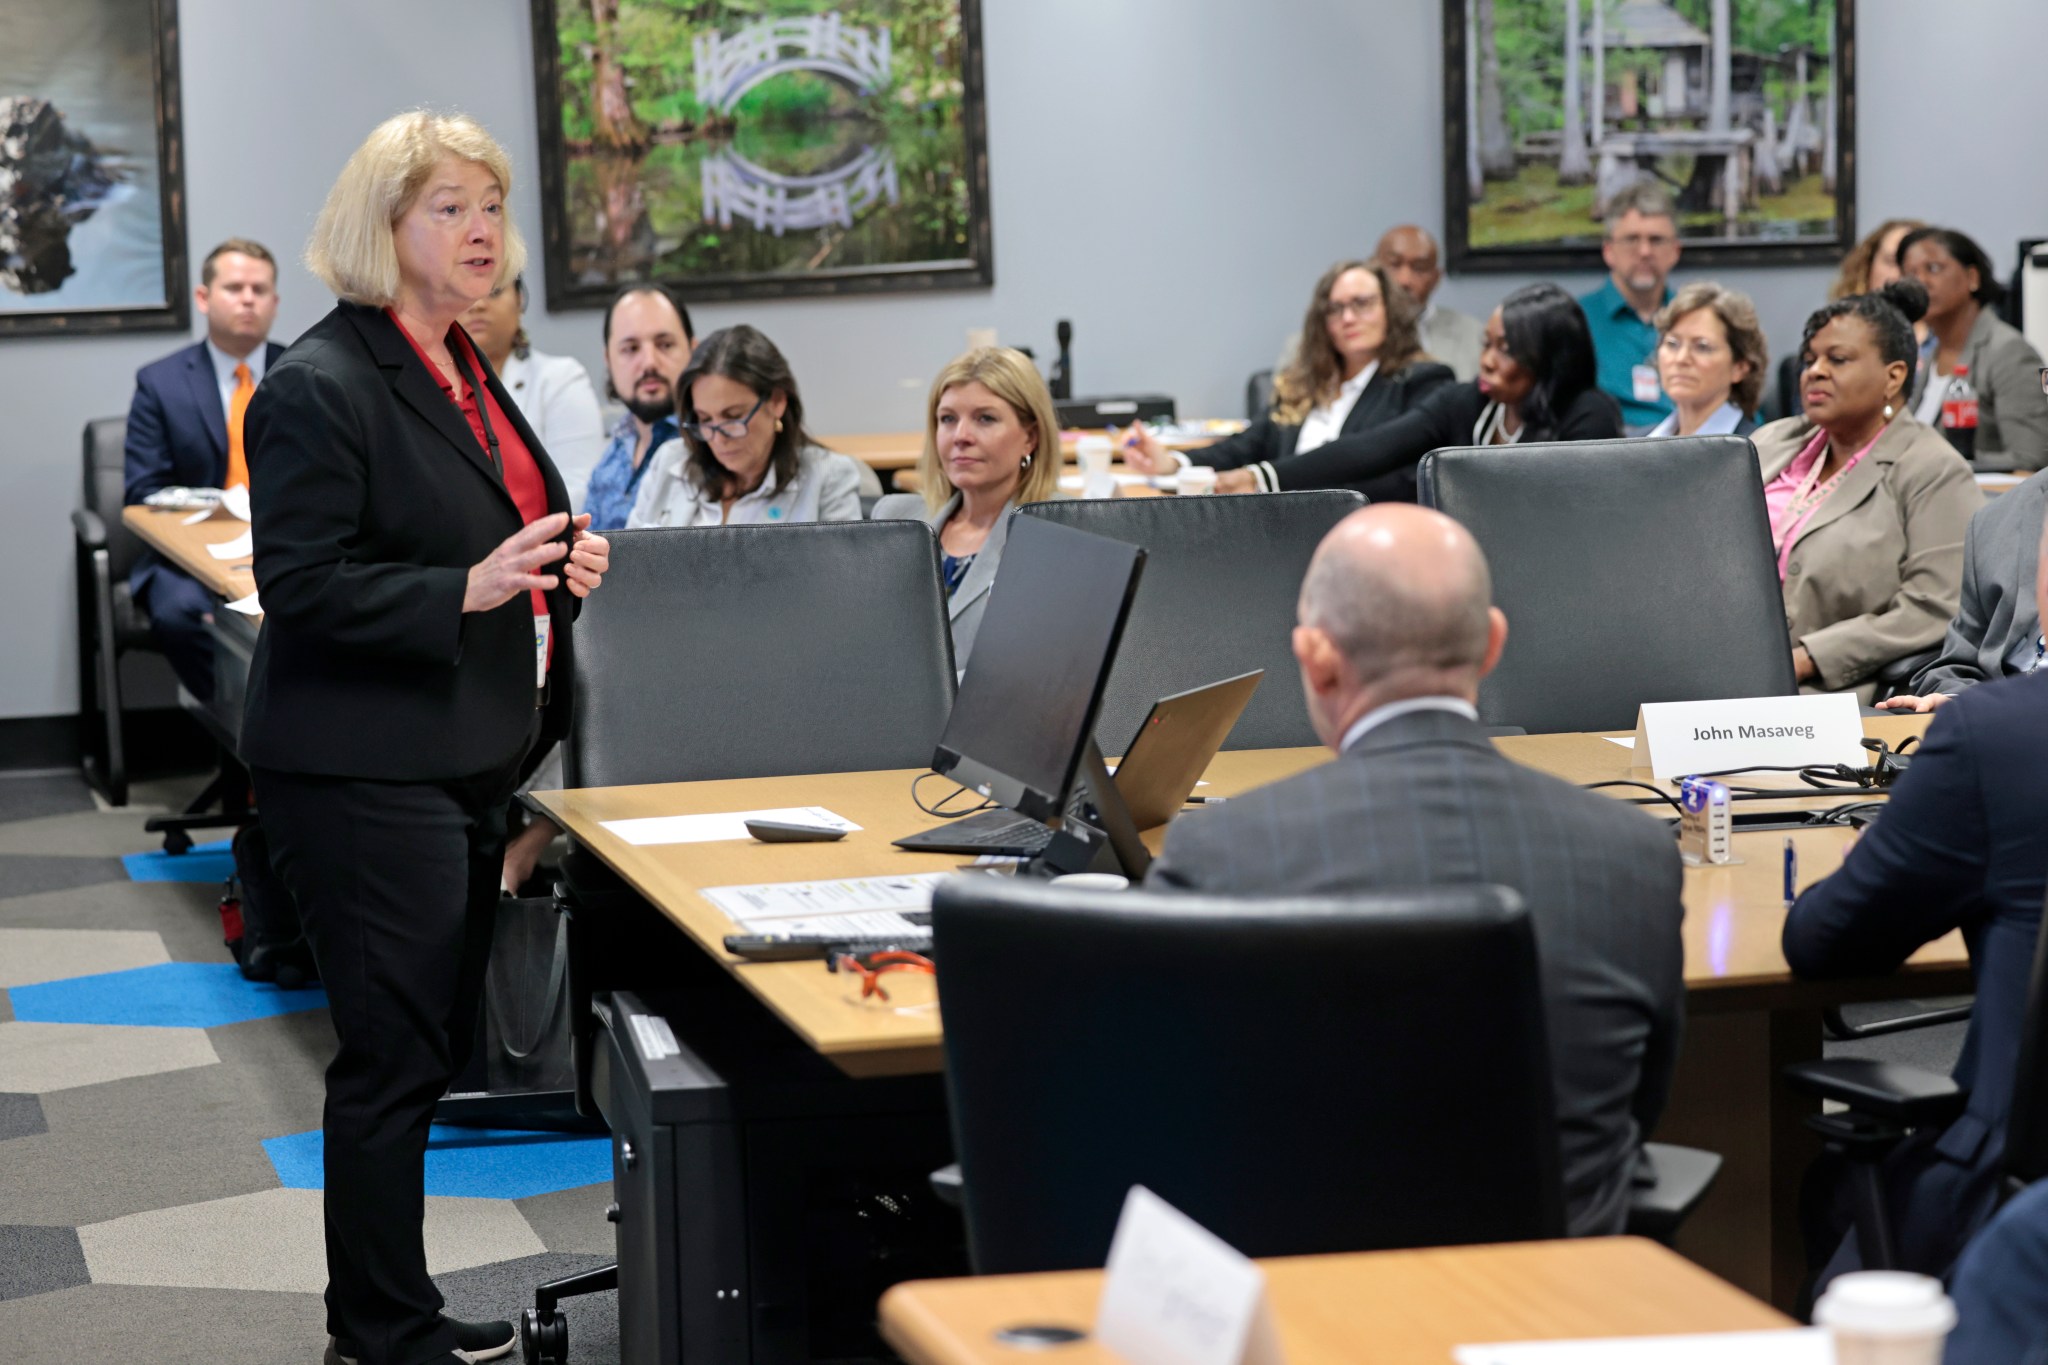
{"x":731,"y":431}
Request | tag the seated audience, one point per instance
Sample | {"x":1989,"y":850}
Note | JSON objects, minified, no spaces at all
{"x":2004,"y":368}
{"x":185,"y":430}
{"x":1869,"y":266}
{"x":1958,"y":846}
{"x":1996,"y":632}
{"x":1868,"y":507}
{"x":1396,"y":630}
{"x":2000,"y":1288}
{"x":647,"y":341}
{"x":1711,"y":360}
{"x":743,"y":457}
{"x":1357,"y":364}
{"x":1641,"y":247}
{"x":991,"y":441}
{"x":552,"y":391}
{"x":1409,"y":253}
{"x":1536,"y":383}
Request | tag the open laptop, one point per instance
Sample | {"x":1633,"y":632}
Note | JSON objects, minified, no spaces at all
{"x":1161,"y":765}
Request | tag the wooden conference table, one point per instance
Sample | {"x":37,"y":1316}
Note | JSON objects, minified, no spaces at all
{"x":185,"y":546}
{"x":1388,"y":1307}
{"x":1747,"y":1016}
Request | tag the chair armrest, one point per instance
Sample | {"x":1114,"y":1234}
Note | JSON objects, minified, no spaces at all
{"x":89,"y":530}
{"x":1902,"y":1094}
{"x":1899,"y":672}
{"x":1669,"y":1184}
{"x":1838,"y":1028}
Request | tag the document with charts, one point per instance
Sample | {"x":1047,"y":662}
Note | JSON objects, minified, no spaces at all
{"x":859,"y":907}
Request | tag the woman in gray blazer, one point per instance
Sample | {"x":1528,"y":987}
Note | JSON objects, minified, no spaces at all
{"x":991,"y":441}
{"x":2005,"y":369}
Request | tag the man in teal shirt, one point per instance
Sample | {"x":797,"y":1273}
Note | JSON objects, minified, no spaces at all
{"x":1641,"y":250}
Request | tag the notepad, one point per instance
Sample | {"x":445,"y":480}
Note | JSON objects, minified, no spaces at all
{"x":1799,"y":1346}
{"x":705,"y":829}
{"x":248,"y":606}
{"x":240,"y":547}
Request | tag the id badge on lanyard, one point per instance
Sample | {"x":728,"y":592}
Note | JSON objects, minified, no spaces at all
{"x":541,"y":627}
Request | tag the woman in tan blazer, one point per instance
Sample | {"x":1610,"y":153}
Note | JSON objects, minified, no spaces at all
{"x":1867,"y":506}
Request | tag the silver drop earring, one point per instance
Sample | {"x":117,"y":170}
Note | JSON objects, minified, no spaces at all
{"x":1026,"y":463}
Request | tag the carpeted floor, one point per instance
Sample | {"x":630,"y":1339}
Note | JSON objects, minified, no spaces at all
{"x":159,"y":1123}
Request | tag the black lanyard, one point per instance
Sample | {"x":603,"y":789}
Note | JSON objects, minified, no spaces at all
{"x":483,"y":408}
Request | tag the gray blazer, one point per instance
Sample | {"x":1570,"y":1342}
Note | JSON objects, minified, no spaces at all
{"x":970,"y":599}
{"x":2012,"y":412}
{"x":1424,"y":799}
{"x":1998,"y":618}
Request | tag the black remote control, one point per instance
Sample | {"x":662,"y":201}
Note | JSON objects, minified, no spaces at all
{"x":787,"y":948}
{"x":782,"y":832}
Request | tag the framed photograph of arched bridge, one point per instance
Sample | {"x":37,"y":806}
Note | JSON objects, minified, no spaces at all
{"x":761,"y":148}
{"x":1743,"y":111}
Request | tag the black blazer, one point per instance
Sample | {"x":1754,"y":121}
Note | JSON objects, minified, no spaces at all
{"x":1959,"y":846}
{"x":1424,"y":799}
{"x":1444,"y":418}
{"x":1385,"y":398}
{"x":371,"y":500}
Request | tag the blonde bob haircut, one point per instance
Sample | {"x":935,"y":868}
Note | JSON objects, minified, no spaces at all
{"x":1010,"y":376}
{"x":351,"y":249}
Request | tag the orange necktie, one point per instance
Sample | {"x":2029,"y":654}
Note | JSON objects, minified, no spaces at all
{"x":238,"y":407}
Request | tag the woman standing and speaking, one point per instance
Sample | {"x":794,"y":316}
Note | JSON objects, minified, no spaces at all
{"x":418,"y":571}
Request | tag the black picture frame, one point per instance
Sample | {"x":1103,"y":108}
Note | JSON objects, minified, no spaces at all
{"x":566,"y":289}
{"x":175,"y":313}
{"x":1461,"y":255}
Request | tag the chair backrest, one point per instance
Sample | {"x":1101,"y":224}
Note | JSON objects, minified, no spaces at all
{"x":2026,"y":1127}
{"x":1216,"y":599}
{"x":1297,"y":1076}
{"x":106,"y":481}
{"x":1258,"y":395}
{"x":761,"y":651}
{"x":1631,"y":571}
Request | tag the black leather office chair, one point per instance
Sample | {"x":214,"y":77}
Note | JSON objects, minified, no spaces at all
{"x":1297,"y":1076}
{"x":109,"y":625}
{"x":1216,"y":599}
{"x":1258,"y":395}
{"x":1885,"y":1101}
{"x":1631,"y":571}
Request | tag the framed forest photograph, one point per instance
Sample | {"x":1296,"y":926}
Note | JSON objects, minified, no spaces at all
{"x":1744,"y":110}
{"x":761,"y":148}
{"x":92,"y":180}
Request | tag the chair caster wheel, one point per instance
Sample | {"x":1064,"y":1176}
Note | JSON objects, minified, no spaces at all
{"x":176,"y":842}
{"x":544,"y":1337}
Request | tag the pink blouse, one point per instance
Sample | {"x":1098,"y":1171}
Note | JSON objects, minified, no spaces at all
{"x":1780,"y":493}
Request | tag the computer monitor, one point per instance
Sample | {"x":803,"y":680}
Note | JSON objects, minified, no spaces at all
{"x":1025,"y":711}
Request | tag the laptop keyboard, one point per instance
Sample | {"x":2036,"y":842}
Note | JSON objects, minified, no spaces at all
{"x":994,"y":831}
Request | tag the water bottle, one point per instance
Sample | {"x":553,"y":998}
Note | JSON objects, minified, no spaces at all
{"x":1959,"y":413}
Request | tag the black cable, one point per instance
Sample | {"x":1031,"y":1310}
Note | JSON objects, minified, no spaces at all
{"x":1666,"y":797}
{"x":937,"y":810}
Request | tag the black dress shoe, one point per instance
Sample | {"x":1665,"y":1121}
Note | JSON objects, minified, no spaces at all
{"x":474,"y":1341}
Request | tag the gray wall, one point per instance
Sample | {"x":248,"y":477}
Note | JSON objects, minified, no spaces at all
{"x":1170,"y":174}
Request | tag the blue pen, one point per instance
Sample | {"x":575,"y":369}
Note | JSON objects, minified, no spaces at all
{"x":1791,"y":874}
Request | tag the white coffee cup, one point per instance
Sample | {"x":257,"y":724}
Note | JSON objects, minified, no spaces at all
{"x":1092,"y":881}
{"x":1195,"y":479}
{"x":1886,"y":1317}
{"x":1095,"y":455}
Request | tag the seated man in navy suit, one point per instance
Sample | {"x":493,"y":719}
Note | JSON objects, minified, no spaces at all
{"x":185,"y":429}
{"x":1959,"y":845}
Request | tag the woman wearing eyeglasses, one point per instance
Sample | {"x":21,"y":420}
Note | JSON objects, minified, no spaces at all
{"x":743,"y":458}
{"x":1711,"y":362}
{"x":1359,"y":363}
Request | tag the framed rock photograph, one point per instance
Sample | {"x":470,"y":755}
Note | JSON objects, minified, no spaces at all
{"x":92,"y":180}
{"x":761,"y":148}
{"x":1744,"y":110}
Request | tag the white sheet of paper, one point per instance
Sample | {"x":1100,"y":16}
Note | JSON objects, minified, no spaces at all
{"x":201,"y":515}
{"x":705,"y":829}
{"x":1177,"y":1294}
{"x":1625,"y":741}
{"x":1799,"y":1346}
{"x":241,"y":545}
{"x":236,"y":500}
{"x":867,"y":906}
{"x":248,"y":606}
{"x":1074,"y":483}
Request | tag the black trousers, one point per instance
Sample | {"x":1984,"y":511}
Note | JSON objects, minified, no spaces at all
{"x":398,"y":886}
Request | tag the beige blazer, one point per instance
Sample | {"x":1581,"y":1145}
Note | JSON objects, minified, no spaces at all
{"x":1876,"y":572}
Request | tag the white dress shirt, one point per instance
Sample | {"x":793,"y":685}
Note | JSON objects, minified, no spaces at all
{"x":555,"y":397}
{"x":1722,"y":422}
{"x":1380,"y":715}
{"x":224,"y":364}
{"x":1325,"y":422}
{"x":826,"y":488}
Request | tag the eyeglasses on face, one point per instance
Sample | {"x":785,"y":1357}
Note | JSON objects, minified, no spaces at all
{"x":1645,"y":241}
{"x":1701,"y":348}
{"x":1363,"y":308}
{"x":731,"y":431}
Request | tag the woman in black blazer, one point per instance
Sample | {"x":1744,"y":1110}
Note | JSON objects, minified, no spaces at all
{"x":418,"y":571}
{"x":1358,"y":363}
{"x":1536,"y":383}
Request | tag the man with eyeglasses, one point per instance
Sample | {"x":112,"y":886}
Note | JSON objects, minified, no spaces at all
{"x":1641,"y":250}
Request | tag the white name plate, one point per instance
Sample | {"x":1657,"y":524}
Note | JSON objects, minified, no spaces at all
{"x":1680,"y":738}
{"x":1176,"y":1294}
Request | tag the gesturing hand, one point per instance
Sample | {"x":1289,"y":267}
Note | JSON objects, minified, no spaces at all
{"x":1918,"y":704}
{"x":514,"y":567}
{"x":589,"y":557}
{"x":1143,"y":452}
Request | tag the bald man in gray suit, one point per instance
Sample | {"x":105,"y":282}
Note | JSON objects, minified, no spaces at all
{"x":1396,"y":629}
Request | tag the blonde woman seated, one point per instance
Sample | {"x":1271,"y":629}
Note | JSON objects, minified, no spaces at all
{"x":991,"y":441}
{"x":743,"y":458}
{"x":1867,"y":506}
{"x":1711,"y":362}
{"x":1359,"y":363}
